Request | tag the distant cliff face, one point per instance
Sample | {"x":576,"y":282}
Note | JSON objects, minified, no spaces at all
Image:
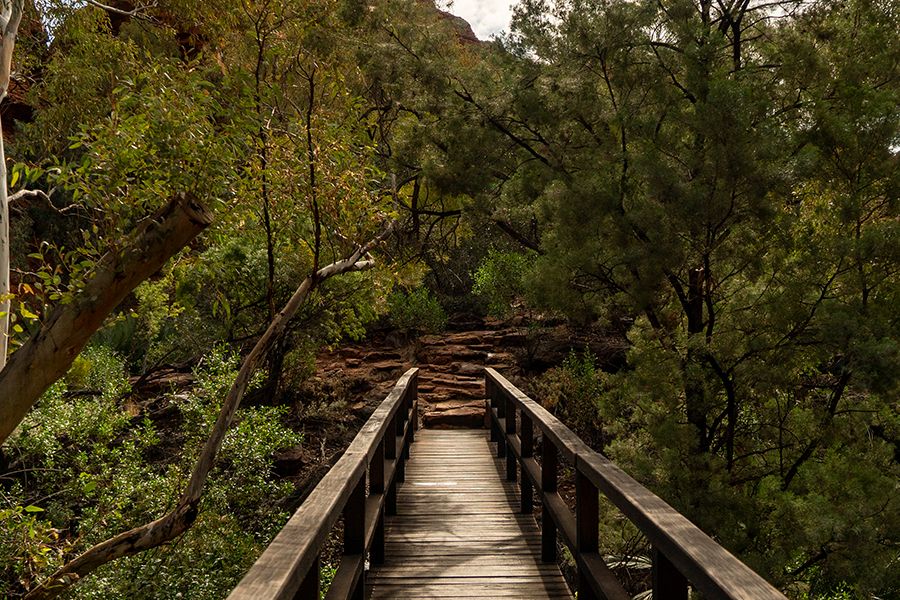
{"x":464,"y":30}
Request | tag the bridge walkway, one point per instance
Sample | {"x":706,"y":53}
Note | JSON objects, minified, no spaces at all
{"x":441,"y":518}
{"x":458,"y":532}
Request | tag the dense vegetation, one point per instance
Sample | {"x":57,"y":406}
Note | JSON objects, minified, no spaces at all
{"x":716,"y":182}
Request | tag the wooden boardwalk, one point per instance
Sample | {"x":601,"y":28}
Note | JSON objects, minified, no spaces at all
{"x":458,"y":532}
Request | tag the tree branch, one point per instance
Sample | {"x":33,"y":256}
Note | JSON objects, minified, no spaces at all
{"x":49,"y":353}
{"x":180,"y":519}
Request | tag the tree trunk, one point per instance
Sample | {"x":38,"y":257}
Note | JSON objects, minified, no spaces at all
{"x":694,"y":382}
{"x":10,"y":18}
{"x":49,"y":353}
{"x":5,"y":303}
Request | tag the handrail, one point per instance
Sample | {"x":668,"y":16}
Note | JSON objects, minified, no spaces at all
{"x":289,"y":567}
{"x":682,"y":553}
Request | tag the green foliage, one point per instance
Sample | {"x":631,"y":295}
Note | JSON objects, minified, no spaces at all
{"x":93,"y":470}
{"x":98,"y":369}
{"x":499,"y":281}
{"x":572,"y":392}
{"x":417,"y":310}
{"x":326,"y":575}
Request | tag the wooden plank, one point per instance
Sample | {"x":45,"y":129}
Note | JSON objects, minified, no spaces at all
{"x":459,"y":532}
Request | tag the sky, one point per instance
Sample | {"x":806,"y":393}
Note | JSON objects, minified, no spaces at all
{"x":486,"y":17}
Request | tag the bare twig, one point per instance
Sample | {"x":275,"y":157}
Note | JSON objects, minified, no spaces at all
{"x":138,"y":12}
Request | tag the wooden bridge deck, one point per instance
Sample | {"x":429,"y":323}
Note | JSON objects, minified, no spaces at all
{"x":458,"y":532}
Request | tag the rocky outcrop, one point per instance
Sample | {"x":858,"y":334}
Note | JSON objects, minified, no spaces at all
{"x":451,"y":379}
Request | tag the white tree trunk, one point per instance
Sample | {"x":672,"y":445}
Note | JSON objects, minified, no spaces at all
{"x":4,"y":258}
{"x":10,"y":18}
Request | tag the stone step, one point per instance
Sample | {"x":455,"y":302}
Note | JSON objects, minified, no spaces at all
{"x":444,"y":394}
{"x":455,"y":402}
{"x":469,"y":337}
{"x":463,"y":417}
{"x":450,"y":379}
{"x":444,"y":356}
{"x":513,"y":338}
{"x":381,"y":355}
{"x":493,"y":358}
{"x":430,"y":374}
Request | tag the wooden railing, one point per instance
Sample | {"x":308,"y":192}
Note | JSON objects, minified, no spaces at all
{"x":289,"y":568}
{"x":682,"y":554}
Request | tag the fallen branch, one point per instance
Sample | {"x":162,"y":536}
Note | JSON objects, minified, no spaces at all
{"x":45,"y":196}
{"x":180,"y":519}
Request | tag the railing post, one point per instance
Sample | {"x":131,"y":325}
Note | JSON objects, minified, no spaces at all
{"x":501,"y":439}
{"x":399,"y":420}
{"x":411,"y":420}
{"x":376,"y":486}
{"x":403,"y":430}
{"x":526,"y":434}
{"x":311,"y":586}
{"x":390,"y":453}
{"x":414,"y":401}
{"x":510,"y":431}
{"x":668,"y":582}
{"x":491,"y":393}
{"x":549,"y":466}
{"x":587,"y":524}
{"x":355,"y":531}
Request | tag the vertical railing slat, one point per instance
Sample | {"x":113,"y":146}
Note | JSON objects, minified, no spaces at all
{"x":355,"y":531}
{"x":526,"y":434}
{"x":510,"y":431}
{"x":311,"y":586}
{"x":549,"y":474}
{"x":376,"y":486}
{"x":668,"y":582}
{"x":587,"y":524}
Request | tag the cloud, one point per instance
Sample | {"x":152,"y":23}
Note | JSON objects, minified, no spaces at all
{"x":487,"y":17}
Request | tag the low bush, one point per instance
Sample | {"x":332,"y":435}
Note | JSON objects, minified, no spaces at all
{"x":572,"y":392}
{"x":417,"y":311}
{"x":82,"y":469}
{"x":499,"y":281}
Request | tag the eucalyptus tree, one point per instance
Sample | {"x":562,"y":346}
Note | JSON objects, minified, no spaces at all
{"x":10,"y":18}
{"x":267,"y":123}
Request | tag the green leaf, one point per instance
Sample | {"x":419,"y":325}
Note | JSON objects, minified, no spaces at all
{"x":33,"y":509}
{"x":27,"y":313}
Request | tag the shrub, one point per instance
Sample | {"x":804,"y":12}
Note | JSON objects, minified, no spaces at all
{"x":417,"y":311}
{"x":572,"y":392}
{"x":499,"y":281}
{"x":91,"y":471}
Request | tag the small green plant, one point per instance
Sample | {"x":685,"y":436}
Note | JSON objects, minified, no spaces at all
{"x":326,"y":576}
{"x":499,"y":281}
{"x":417,"y":311}
{"x":572,"y":392}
